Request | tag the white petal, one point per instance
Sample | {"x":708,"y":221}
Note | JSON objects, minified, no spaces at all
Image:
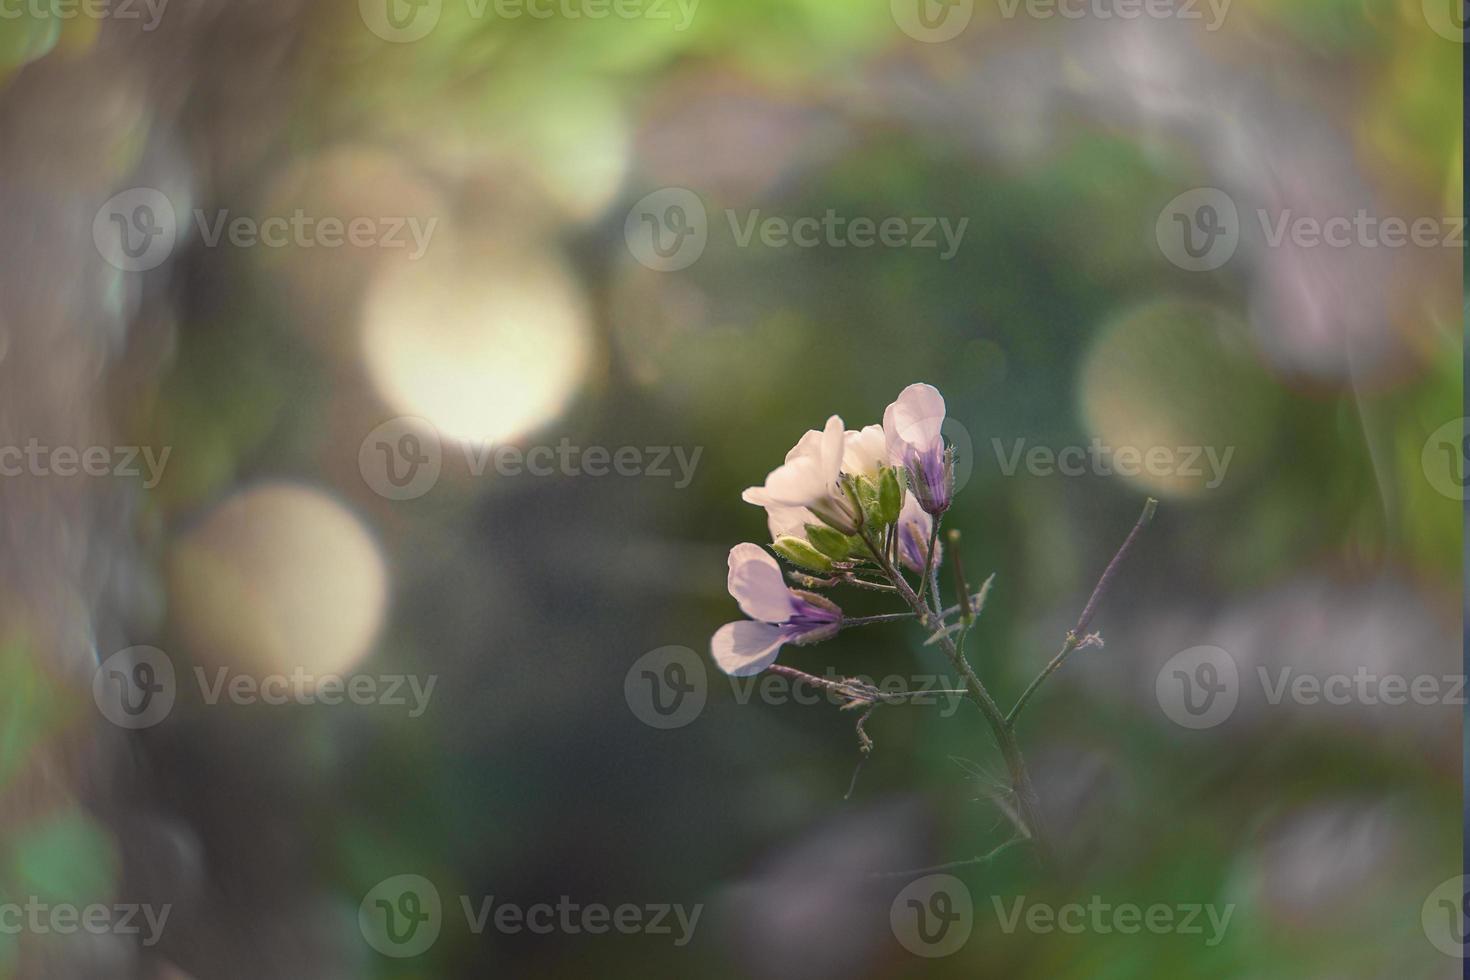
{"x":809,"y":473}
{"x":783,"y":520}
{"x":831,"y":461}
{"x":863,"y":451}
{"x":914,"y":421}
{"x":756,"y":583}
{"x":745,"y":648}
{"x":759,"y":496}
{"x":797,"y":483}
{"x":810,"y":444}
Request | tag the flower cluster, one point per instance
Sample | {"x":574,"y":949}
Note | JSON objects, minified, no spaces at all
{"x":839,"y":492}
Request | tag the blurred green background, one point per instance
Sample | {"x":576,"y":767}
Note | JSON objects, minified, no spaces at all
{"x":1333,"y":542}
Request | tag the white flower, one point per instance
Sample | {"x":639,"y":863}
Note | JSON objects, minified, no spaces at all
{"x":778,"y":614}
{"x":809,"y":478}
{"x":864,"y":451}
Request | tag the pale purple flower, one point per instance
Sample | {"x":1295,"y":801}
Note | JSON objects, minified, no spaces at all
{"x":911,"y":428}
{"x":810,"y":478}
{"x":778,"y":615}
{"x":914,"y":528}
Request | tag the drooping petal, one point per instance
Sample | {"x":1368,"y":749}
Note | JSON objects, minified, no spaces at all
{"x":746,"y":647}
{"x":912,"y":424}
{"x":756,"y":583}
{"x":783,"y":521}
{"x":759,"y":496}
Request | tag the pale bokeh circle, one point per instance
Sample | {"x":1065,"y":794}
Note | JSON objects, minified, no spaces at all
{"x":277,"y":577}
{"x":486,"y":346}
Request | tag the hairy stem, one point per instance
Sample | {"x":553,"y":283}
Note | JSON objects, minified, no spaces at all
{"x":882,"y":618}
{"x":928,"y":556}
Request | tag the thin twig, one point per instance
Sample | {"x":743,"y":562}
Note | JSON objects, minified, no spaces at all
{"x":985,"y":858}
{"x":1076,"y":636}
